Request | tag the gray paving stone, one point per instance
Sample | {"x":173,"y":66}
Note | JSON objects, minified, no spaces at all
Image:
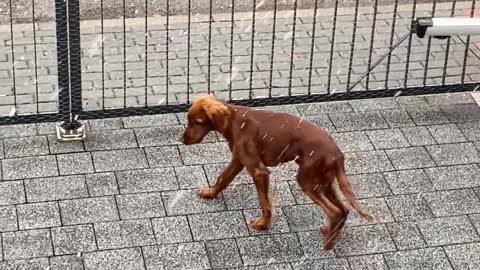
{"x":56,"y":188}
{"x":229,"y":224}
{"x":328,"y":264}
{"x":449,"y":98}
{"x":453,"y":202}
{"x":213,"y":171}
{"x":368,"y":262}
{"x":160,"y":136}
{"x":353,"y":141}
{"x":410,"y":158}
{"x":322,"y":121}
{"x":73,"y":239}
{"x":454,"y":177}
{"x":150,"y":121}
{"x":447,"y":230}
{"x":57,"y":147}
{"x":464,"y":256}
{"x":312,"y":245}
{"x":26,"y":244}
{"x":454,"y":154}
{"x":369,"y":185}
{"x":102,"y":184}
{"x":144,"y":205}
{"x":38,"y":215}
{"x":29,"y":167}
{"x":75,"y":163}
{"x":148,"y":180}
{"x":163,"y":156}
{"x":8,"y":219}
{"x":448,"y":133}
{"x":373,"y":104}
{"x":15,"y":131}
{"x":88,"y":210}
{"x":113,"y":160}
{"x":245,"y":196}
{"x":427,"y":116}
{"x":412,"y":101}
{"x":408,"y":181}
{"x":110,"y":139}
{"x":26,"y":146}
{"x":430,"y":258}
{"x":205,"y":153}
{"x":388,"y":138}
{"x":325,"y":107}
{"x":406,"y":235}
{"x":367,"y":162}
{"x":398,"y":118}
{"x":304,"y":217}
{"x":461,"y":112}
{"x":223,"y":253}
{"x":183,"y":202}
{"x":273,"y":248}
{"x":67,"y":262}
{"x":105,"y":124}
{"x":169,"y":230}
{"x":418,"y":136}
{"x":358,"y":121}
{"x":364,"y":240}
{"x":376,"y":207}
{"x":471,"y":130}
{"x":191,"y":176}
{"x":26,"y":264}
{"x":12,"y":193}
{"x":191,"y":255}
{"x":127,"y":259}
{"x":125,"y":233}
{"x":408,"y":207}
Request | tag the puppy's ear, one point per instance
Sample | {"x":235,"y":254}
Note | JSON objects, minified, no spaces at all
{"x":218,"y":113}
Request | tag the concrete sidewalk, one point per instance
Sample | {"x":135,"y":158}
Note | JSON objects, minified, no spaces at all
{"x":111,"y":90}
{"x":125,"y":198}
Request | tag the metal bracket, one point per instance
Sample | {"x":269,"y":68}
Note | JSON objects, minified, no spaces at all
{"x":71,"y":131}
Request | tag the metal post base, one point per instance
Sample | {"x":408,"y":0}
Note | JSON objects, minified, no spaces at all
{"x":71,"y":131}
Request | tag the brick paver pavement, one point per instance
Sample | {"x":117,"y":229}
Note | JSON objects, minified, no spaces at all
{"x":125,"y":197}
{"x":133,"y":94}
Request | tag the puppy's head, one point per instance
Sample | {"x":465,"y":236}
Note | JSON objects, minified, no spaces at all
{"x":206,"y":114}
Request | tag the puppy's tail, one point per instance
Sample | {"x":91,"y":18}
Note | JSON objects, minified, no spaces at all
{"x":346,"y":188}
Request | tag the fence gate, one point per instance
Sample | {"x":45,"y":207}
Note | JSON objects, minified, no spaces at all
{"x":98,"y":59}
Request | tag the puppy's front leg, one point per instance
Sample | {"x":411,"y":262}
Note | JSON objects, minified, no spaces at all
{"x":223,"y":180}
{"x":261,"y":179}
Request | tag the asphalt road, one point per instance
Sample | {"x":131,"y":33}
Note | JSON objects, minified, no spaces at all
{"x":90,"y":9}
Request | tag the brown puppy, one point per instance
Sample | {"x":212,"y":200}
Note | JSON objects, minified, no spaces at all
{"x":260,"y":139}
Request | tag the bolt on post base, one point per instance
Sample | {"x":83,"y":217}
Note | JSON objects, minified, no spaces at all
{"x":71,"y":131}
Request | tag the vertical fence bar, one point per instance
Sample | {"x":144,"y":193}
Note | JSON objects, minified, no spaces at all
{"x":312,"y":47}
{"x":103,"y":53}
{"x":35,"y":54}
{"x":188,"y":48}
{"x":409,"y":47}
{"x":12,"y":48}
{"x":352,"y":45}
{"x":272,"y":53}
{"x":429,"y":45}
{"x":252,"y":50}
{"x":146,"y":53}
{"x":124,"y":56}
{"x":332,"y":47}
{"x":447,"y":50}
{"x":62,"y":33}
{"x":75,"y":58}
{"x":232,"y":26}
{"x":372,"y":40}
{"x":292,"y":47}
{"x":392,"y":35}
{"x":209,"y":61}
{"x":167,"y":48}
{"x":467,"y":45}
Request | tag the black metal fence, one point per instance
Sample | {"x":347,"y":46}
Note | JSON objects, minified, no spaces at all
{"x":254,"y":54}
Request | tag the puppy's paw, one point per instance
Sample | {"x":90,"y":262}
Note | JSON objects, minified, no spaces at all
{"x":260,"y":223}
{"x":207,"y":193}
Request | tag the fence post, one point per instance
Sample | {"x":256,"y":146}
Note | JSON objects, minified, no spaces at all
{"x":69,"y":70}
